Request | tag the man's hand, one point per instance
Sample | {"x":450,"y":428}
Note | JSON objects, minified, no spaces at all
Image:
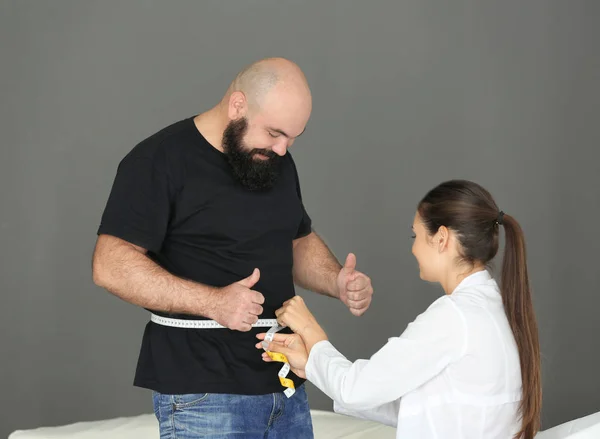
{"x":355,"y":289}
{"x":237,"y":306}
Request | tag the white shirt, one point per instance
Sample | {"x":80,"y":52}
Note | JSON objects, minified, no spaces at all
{"x":453,"y":373}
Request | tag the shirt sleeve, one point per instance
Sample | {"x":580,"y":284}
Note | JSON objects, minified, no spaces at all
{"x":433,"y":340}
{"x":386,"y":414}
{"x":305,"y":227}
{"x":139,"y":205}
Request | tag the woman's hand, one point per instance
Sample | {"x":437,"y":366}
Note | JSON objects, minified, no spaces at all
{"x":295,"y":315}
{"x":290,"y":345}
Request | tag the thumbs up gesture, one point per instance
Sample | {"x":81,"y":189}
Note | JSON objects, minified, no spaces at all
{"x":237,"y":306}
{"x":355,"y":289}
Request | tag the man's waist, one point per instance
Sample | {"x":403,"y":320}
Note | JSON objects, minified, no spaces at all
{"x":190,"y":322}
{"x":268,"y":313}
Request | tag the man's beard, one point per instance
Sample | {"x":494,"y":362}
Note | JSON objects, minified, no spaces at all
{"x":254,"y":174}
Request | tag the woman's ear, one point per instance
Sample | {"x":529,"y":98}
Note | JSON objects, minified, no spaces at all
{"x":442,"y":239}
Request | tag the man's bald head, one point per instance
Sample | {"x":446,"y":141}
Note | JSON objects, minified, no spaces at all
{"x":277,"y":76}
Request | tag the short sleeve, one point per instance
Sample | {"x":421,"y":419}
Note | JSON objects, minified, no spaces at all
{"x":305,"y":227}
{"x":139,"y":205}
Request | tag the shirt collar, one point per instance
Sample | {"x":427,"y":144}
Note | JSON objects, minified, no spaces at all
{"x":478,"y":278}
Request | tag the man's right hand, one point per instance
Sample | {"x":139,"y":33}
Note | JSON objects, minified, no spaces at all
{"x":237,"y":306}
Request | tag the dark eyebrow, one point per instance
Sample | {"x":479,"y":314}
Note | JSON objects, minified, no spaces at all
{"x":284,"y":133}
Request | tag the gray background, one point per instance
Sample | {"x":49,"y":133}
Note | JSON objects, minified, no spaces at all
{"x":406,"y":95}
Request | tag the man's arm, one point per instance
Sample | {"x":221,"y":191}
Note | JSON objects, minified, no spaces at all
{"x":315,"y":266}
{"x":124,"y":269}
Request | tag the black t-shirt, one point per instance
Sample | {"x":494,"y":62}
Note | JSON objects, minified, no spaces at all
{"x":176,"y":196}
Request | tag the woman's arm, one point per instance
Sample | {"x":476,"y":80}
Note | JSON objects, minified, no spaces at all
{"x":434,"y":340}
{"x":385,"y":414}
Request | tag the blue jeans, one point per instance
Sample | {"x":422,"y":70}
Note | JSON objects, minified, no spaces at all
{"x":221,"y":416}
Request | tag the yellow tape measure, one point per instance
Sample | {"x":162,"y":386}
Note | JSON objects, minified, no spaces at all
{"x":275,"y":356}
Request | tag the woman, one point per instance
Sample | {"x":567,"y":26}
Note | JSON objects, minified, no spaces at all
{"x":469,"y":366}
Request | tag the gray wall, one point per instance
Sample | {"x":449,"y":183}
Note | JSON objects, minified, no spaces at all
{"x":407,"y":94}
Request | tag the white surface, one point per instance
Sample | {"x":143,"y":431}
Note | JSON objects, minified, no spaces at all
{"x":142,"y":426}
{"x":453,"y":373}
{"x":327,"y":425}
{"x":587,"y":427}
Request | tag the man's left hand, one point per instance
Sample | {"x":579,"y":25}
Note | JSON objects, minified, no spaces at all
{"x":355,"y":289}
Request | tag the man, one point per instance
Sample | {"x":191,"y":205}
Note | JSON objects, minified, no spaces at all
{"x":205,"y":221}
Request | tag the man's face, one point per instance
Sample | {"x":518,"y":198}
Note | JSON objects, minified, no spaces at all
{"x":256,"y":145}
{"x":257,"y":168}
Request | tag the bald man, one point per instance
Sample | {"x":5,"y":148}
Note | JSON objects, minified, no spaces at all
{"x":205,"y":228}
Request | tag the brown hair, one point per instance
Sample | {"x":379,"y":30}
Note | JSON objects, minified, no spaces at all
{"x":471,"y":212}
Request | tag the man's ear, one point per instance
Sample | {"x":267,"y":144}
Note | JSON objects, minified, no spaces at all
{"x":238,"y":105}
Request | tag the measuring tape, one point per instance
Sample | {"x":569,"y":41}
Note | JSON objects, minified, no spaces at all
{"x":275,"y":356}
{"x":261,"y":323}
{"x":204,"y":324}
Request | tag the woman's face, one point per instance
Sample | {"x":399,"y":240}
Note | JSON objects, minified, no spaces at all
{"x":426,"y":252}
